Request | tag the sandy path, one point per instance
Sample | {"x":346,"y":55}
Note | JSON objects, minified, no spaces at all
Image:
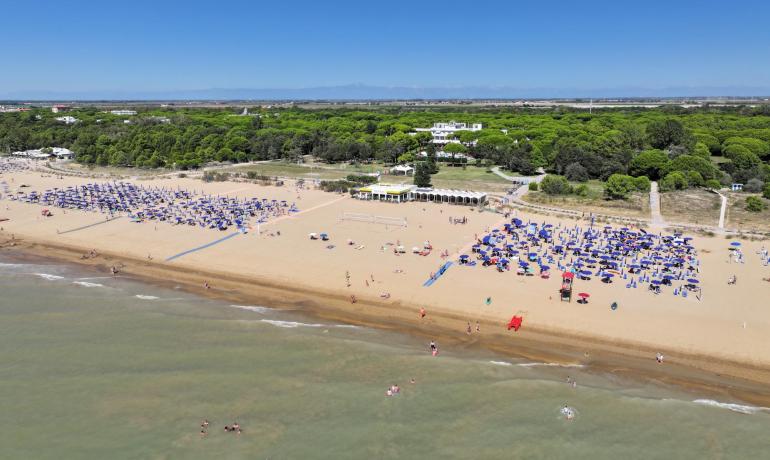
{"x":655,"y":215}
{"x":722,"y":211}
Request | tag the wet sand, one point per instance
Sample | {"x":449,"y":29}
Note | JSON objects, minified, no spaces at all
{"x":719,"y":343}
{"x":699,"y":374}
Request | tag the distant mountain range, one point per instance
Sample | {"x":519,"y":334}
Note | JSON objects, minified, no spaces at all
{"x":365,"y":92}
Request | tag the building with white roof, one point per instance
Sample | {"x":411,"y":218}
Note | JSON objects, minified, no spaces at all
{"x":406,"y":170}
{"x":123,"y":112}
{"x":39,"y":154}
{"x":399,"y":193}
{"x":385,"y":192}
{"x":443,"y":154}
{"x":442,"y":195}
{"x":68,"y":120}
{"x":442,"y":132}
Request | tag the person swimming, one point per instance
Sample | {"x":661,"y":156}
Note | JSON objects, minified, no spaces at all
{"x":568,"y":412}
{"x":433,"y":346}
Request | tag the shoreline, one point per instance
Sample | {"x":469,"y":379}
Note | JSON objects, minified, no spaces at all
{"x":724,"y":380}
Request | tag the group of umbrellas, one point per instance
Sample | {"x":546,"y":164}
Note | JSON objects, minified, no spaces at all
{"x":175,"y":206}
{"x":12,"y":165}
{"x":604,"y":253}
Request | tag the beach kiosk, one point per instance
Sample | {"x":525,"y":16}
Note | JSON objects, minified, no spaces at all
{"x":566,"y":286}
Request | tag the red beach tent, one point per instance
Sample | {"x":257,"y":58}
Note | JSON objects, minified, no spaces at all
{"x":515,"y":323}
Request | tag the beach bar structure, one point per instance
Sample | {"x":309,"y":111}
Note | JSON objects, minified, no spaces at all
{"x":441,"y":195}
{"x":385,"y":192}
{"x":406,"y":192}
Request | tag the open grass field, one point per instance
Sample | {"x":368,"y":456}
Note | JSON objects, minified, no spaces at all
{"x":739,"y":217}
{"x":470,"y":178}
{"x":637,"y":205}
{"x":693,"y":206}
{"x":297,"y":171}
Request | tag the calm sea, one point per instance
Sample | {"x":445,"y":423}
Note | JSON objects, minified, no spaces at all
{"x":97,"y":368}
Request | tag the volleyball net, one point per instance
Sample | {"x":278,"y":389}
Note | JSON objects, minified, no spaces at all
{"x":372,"y":219}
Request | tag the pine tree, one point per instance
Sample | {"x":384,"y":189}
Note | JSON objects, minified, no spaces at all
{"x":422,"y":174}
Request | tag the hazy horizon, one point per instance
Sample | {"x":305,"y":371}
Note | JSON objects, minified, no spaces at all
{"x":368,"y":92}
{"x":354,"y":50}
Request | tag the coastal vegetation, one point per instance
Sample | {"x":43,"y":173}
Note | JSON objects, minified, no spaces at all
{"x":680,"y":148}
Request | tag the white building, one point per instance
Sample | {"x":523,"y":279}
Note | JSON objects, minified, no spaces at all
{"x":442,"y":195}
{"x":400,"y":193}
{"x":386,"y":192}
{"x":68,"y":120}
{"x":123,"y":112}
{"x":443,"y":154}
{"x":35,"y":154}
{"x":442,"y":132}
{"x":59,"y":108}
{"x":40,"y":154}
{"x":62,"y":153}
{"x":406,"y":170}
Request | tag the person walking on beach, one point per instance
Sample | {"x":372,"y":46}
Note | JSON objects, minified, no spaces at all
{"x":422,"y":312}
{"x":478,"y":328}
{"x":468,"y":329}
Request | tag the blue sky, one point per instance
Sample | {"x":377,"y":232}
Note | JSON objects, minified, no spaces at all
{"x":159,"y":45}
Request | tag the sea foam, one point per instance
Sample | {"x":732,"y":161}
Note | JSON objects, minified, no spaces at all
{"x":741,"y":408}
{"x":290,"y":324}
{"x":49,"y":277}
{"x":87,"y":284}
{"x":146,"y":297}
{"x":549,"y":365}
{"x":252,"y":308}
{"x":295,"y":324}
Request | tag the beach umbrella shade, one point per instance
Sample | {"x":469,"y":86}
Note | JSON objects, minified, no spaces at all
{"x":692,"y":281}
{"x":584,"y":295}
{"x":735,"y":244}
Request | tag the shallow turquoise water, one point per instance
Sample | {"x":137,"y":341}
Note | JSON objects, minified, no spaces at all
{"x":102,"y":368}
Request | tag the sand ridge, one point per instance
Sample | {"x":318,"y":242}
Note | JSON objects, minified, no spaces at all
{"x":728,"y":326}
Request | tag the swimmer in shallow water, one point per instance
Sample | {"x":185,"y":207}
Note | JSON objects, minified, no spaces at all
{"x":568,"y":412}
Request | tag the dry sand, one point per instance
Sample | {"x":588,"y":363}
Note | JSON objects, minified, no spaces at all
{"x":723,"y":334}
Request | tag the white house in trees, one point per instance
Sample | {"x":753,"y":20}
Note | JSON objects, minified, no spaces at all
{"x":442,"y":132}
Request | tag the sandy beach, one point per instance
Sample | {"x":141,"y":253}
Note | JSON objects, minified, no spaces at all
{"x":717,"y":344}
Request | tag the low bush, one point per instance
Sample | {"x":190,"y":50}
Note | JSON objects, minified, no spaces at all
{"x":555,"y":185}
{"x":361,"y":179}
{"x":755,"y":204}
